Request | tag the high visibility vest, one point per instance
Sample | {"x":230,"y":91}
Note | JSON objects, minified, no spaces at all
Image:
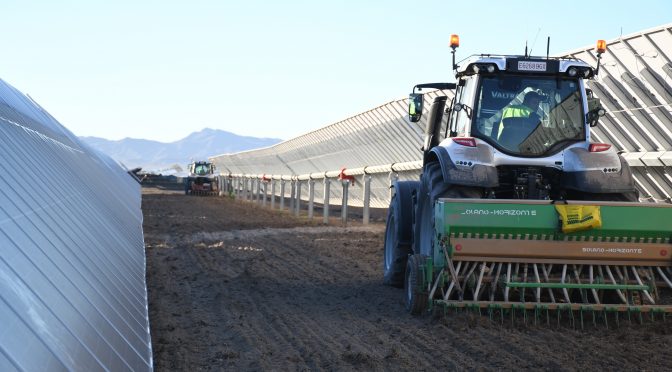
{"x":513,"y":111}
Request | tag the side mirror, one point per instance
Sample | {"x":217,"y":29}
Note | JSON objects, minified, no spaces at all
{"x":415,"y":102}
{"x":595,"y":110}
{"x":594,"y":115}
{"x":593,"y":102}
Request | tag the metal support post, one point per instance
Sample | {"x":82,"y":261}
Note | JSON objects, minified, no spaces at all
{"x":367,"y":198}
{"x":344,"y":202}
{"x":393,"y":177}
{"x":253,"y":186}
{"x":248,"y":189}
{"x":282,"y":195}
{"x":297,"y":202}
{"x":264,"y":193}
{"x":239,"y":187}
{"x":325,"y":201}
{"x":221,"y":182}
{"x":258,"y":193}
{"x":292,"y":195}
{"x":311,"y":198}
{"x":272,"y":194}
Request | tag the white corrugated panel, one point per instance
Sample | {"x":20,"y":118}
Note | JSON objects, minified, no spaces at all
{"x":635,"y":86}
{"x":72,"y":264}
{"x":381,"y":136}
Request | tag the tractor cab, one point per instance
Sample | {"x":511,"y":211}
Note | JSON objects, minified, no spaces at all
{"x":201,"y":168}
{"x":522,"y":106}
{"x":520,"y":112}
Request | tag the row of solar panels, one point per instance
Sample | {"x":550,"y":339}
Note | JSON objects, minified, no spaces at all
{"x":72,"y":263}
{"x":635,"y":85}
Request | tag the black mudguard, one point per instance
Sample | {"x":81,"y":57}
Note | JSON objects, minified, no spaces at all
{"x":599,"y":182}
{"x":477,"y":176}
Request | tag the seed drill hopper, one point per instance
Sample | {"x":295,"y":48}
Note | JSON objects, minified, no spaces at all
{"x":512,"y":255}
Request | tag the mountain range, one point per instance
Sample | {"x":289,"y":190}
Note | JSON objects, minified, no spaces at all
{"x":156,"y":156}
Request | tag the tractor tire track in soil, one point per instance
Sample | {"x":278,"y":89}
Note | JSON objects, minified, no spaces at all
{"x":235,"y":286}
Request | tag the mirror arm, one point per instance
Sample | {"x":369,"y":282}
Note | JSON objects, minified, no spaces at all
{"x":441,"y":86}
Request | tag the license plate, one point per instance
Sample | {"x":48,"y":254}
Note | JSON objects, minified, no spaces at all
{"x":531,"y":66}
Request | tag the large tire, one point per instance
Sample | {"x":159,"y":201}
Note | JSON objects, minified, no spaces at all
{"x":415,"y":286}
{"x":397,"y":243}
{"x":432,"y":188}
{"x":187,"y":186}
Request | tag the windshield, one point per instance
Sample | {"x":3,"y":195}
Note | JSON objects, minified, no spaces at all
{"x":528,"y":115}
{"x":202,"y":169}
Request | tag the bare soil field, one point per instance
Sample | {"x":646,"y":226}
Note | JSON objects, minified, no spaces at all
{"x":234,"y":286}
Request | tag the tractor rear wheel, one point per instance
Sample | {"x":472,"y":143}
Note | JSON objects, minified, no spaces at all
{"x":432,"y":188}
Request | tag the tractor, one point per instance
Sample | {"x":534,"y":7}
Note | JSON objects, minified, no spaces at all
{"x":517,"y":209}
{"x":201,"y":180}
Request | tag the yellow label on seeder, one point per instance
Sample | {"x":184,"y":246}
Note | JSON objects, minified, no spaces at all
{"x":579,"y":217}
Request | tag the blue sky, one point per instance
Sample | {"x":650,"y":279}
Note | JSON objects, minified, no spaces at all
{"x":163,"y":69}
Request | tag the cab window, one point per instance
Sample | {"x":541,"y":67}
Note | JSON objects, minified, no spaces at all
{"x":462,"y":108}
{"x":529,"y":115}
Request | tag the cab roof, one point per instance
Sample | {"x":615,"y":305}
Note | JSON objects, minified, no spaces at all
{"x":522,"y":64}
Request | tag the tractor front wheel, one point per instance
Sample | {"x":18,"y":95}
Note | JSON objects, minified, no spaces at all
{"x":187,"y":186}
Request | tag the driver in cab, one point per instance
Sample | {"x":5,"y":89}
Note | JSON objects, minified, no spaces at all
{"x":527,"y":109}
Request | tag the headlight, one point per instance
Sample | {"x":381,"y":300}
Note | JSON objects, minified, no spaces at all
{"x":584,"y":72}
{"x":483,"y":68}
